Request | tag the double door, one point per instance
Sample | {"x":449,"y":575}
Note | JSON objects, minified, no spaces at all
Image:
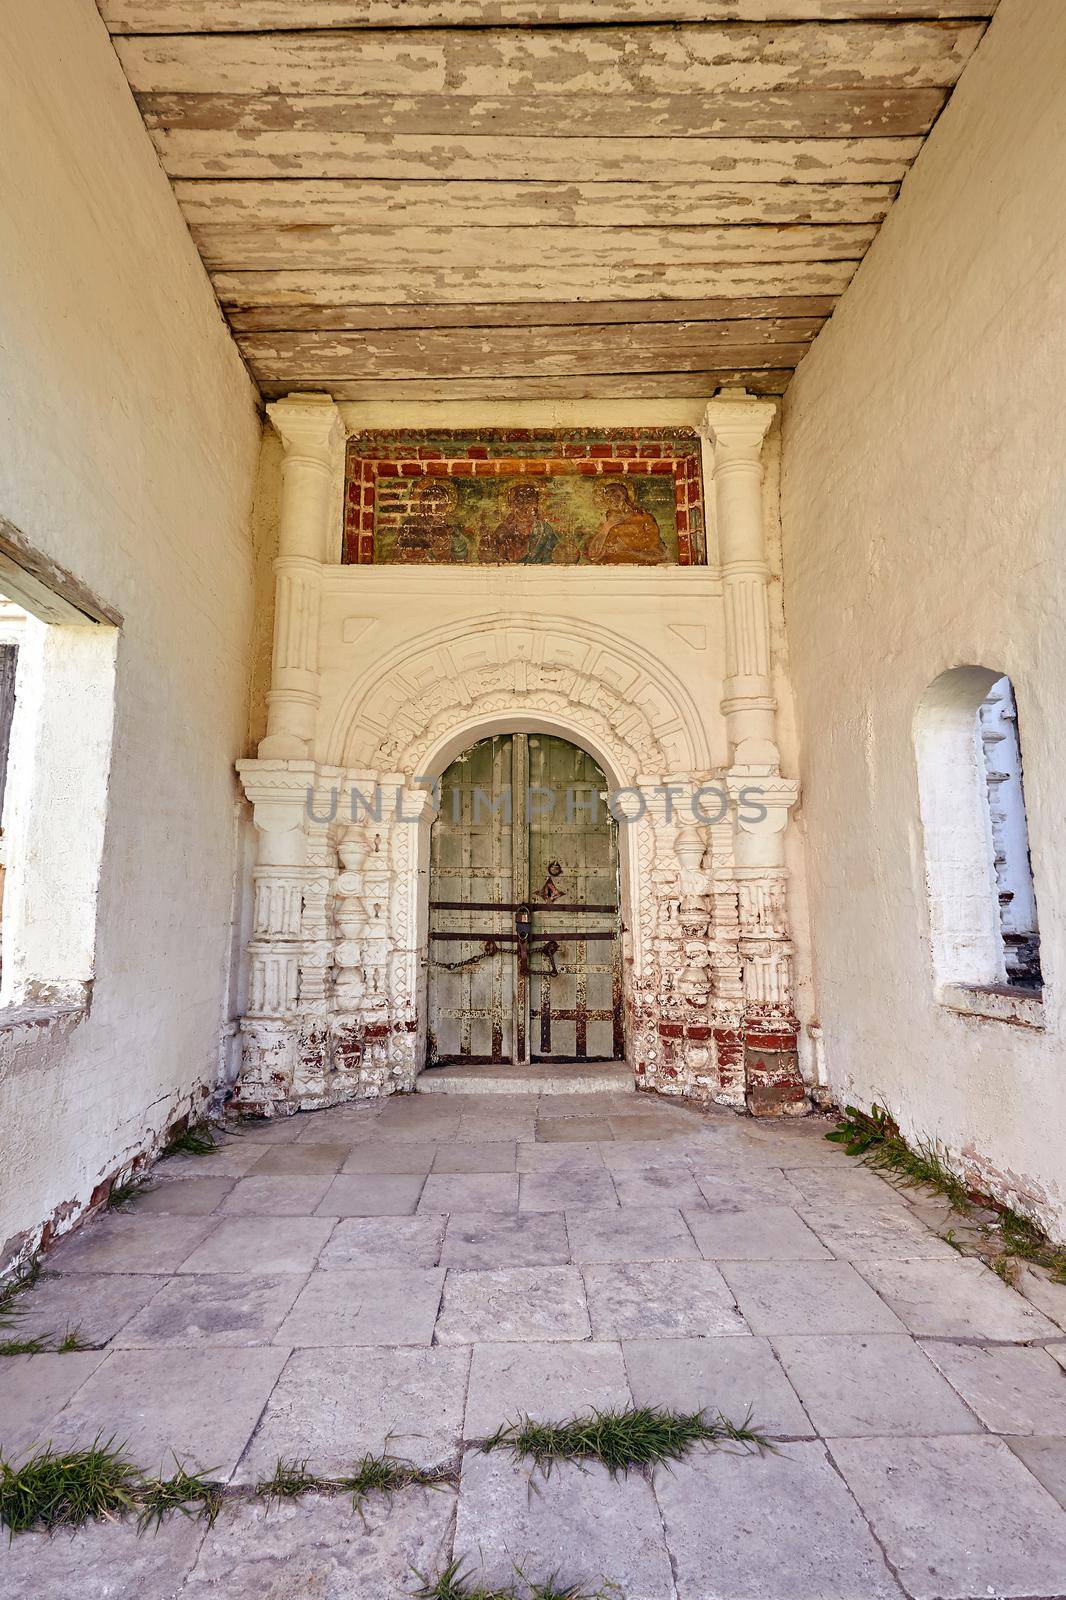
{"x":524,"y":947}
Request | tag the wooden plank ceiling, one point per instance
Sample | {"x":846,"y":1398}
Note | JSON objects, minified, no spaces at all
{"x":433,"y":199}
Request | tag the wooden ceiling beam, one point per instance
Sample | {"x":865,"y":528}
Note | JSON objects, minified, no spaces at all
{"x":376,"y":284}
{"x":292,"y":203}
{"x":229,"y":16}
{"x":548,"y":350}
{"x":207,"y":153}
{"x":547,"y":250}
{"x":595,"y":386}
{"x":766,"y":114}
{"x":552,"y":63}
{"x":568,"y":313}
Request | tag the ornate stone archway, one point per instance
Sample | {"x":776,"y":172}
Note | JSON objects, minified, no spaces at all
{"x":337,"y":958}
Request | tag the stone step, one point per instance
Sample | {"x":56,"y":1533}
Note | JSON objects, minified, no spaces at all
{"x":578,"y":1077}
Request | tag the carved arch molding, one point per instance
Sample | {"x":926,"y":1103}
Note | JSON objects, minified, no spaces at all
{"x":337,"y":958}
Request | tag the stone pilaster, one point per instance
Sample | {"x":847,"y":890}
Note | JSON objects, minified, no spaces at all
{"x":736,"y":424}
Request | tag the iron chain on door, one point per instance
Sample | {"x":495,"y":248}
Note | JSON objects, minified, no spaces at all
{"x":524,"y":952}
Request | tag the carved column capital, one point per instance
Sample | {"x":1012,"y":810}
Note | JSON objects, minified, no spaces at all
{"x":310,"y":428}
{"x":736,"y":423}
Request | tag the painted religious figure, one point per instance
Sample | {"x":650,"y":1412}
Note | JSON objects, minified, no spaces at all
{"x":428,"y":532}
{"x":523,"y":534}
{"x":627,"y":535}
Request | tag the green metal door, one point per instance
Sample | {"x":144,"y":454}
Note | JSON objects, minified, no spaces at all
{"x":524,"y":950}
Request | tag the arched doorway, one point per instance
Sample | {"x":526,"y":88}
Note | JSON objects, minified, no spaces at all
{"x":524,"y":926}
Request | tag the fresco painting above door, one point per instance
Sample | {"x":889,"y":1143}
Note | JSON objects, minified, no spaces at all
{"x":621,"y":497}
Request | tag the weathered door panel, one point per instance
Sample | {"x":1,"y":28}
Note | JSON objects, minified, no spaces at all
{"x":573,"y":875}
{"x":471,"y":989}
{"x":524,"y":926}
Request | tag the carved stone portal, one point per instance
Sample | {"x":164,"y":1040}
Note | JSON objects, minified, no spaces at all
{"x":337,"y":981}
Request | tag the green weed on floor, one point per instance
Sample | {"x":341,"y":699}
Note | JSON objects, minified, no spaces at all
{"x":874,"y":1137}
{"x":639,"y":1436}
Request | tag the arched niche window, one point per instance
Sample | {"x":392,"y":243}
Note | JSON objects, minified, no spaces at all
{"x":983,"y":917}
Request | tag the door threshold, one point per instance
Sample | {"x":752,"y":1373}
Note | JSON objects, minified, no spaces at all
{"x":577,"y":1077}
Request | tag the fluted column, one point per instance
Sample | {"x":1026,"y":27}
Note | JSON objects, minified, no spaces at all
{"x":311,"y":431}
{"x":736,"y":424}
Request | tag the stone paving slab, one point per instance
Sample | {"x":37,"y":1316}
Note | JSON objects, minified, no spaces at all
{"x":219,"y":1310}
{"x":727,"y":1188}
{"x":470,"y":1191}
{"x":654,"y":1233}
{"x":395,"y":1305}
{"x":273,"y":1197}
{"x":1046,"y":1459}
{"x":576,"y":1130}
{"x":275,"y":1244}
{"x":868,"y":1232}
{"x":372,"y":1194}
{"x":871,"y":1384}
{"x":548,"y":1382}
{"x":162,"y":1403}
{"x":498,"y":1156}
{"x":1015,"y":1390}
{"x":728,"y":1376}
{"x":564,"y":1188}
{"x":393,"y":1156}
{"x":319,"y":1548}
{"x":768,"y":1233}
{"x":577,"y":1524}
{"x":189,"y":1197}
{"x":769,"y":1527}
{"x":291,"y":1160}
{"x":97,"y":1305}
{"x":385,"y":1242}
{"x":32,"y":1390}
{"x":550,"y":1157}
{"x":959,"y":1518}
{"x":102,"y":1561}
{"x":231,"y":1159}
{"x":660,"y":1299}
{"x":116,"y":1242}
{"x":332,"y":1407}
{"x":657,"y":1186}
{"x":807,"y":1297}
{"x":957,"y":1299}
{"x":513,"y":1304}
{"x":505,"y":1240}
{"x":850,"y":1186}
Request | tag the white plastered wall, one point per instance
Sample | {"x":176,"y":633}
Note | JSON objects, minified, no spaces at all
{"x":924,"y":505}
{"x":130,"y":446}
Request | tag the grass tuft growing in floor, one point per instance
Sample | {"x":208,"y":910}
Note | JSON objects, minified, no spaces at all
{"x":196,"y":1140}
{"x":641,"y":1436}
{"x":53,"y":1489}
{"x":194,"y":1494}
{"x":388,"y":1473}
{"x":289,"y":1480}
{"x":453,"y":1584}
{"x":122,"y":1195}
{"x":875,"y":1138}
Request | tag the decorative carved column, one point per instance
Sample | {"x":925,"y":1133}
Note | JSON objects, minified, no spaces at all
{"x":736,"y":424}
{"x":311,"y":430}
{"x":284,"y":1057}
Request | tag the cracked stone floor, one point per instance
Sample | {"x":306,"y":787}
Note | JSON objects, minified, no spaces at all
{"x":407,"y":1274}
